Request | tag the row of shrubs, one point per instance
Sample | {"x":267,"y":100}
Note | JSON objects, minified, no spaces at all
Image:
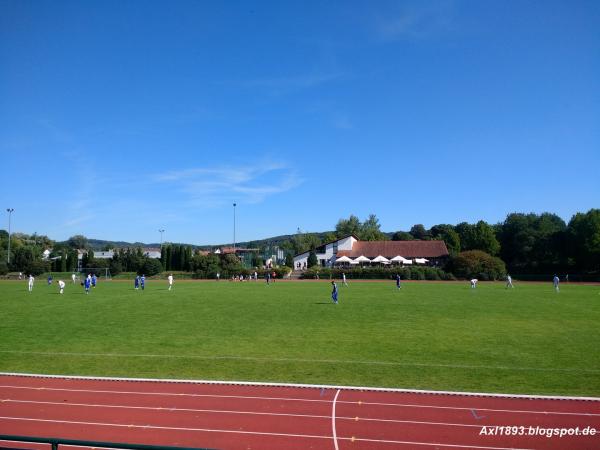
{"x":280,"y":272}
{"x":370,"y":273}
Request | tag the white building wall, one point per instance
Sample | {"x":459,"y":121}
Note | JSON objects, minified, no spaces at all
{"x":346,"y":243}
{"x":302,"y":259}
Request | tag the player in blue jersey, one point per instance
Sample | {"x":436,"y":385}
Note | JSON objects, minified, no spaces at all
{"x":334,"y":292}
{"x":136,"y":282}
{"x":94,"y":280}
{"x":86,"y":284}
{"x":398,"y":284}
{"x":143,"y":281}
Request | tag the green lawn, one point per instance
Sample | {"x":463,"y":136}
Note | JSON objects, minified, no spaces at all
{"x":441,"y":336}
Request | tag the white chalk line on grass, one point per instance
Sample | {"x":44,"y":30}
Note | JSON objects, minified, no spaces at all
{"x":292,"y":399}
{"x":334,"y":432}
{"x":303,"y":360}
{"x":250,"y":413}
{"x":299,"y":386}
{"x":258,"y":433}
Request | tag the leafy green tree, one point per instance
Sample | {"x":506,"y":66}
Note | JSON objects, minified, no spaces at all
{"x":351,"y":225}
{"x":78,"y":241}
{"x":447,"y":233}
{"x":289,"y":260}
{"x":312,"y":259}
{"x":329,"y":237}
{"x":533,"y":244}
{"x":418,"y":231}
{"x":150,"y":266}
{"x":477,"y":264}
{"x":584,"y":239}
{"x":63,"y":260}
{"x":402,"y":236}
{"x":480,"y":236}
{"x":370,"y":230}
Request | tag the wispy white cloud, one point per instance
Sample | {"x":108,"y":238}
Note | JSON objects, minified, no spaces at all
{"x":215,"y":186}
{"x":416,"y":20}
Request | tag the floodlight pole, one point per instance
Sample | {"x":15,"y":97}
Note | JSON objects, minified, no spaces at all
{"x":234,"y":205}
{"x":9,"y":211}
{"x":161,"y":233}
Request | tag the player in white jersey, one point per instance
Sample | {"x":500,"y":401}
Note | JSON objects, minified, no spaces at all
{"x":170,"y":278}
{"x":61,"y":286}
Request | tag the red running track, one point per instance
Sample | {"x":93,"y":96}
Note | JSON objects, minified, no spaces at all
{"x":236,"y":417}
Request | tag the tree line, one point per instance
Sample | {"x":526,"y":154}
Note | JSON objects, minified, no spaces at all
{"x":525,"y":243}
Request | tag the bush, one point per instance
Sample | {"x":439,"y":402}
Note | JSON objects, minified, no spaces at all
{"x":3,"y":268}
{"x":478,"y":264}
{"x":150,"y":267}
{"x":37,"y":267}
{"x":379,"y":273}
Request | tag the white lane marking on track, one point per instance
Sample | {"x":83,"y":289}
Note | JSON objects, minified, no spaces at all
{"x":401,"y":405}
{"x":305,"y":360}
{"x":259,"y":433}
{"x":333,"y":420}
{"x":257,"y":413}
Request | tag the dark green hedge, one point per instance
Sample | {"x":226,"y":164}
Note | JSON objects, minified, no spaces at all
{"x":372,"y":273}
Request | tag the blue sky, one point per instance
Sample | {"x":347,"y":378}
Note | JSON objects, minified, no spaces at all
{"x":119,"y":118}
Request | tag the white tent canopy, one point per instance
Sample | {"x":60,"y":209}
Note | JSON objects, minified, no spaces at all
{"x":421,"y":260}
{"x":342,"y":259}
{"x":362,"y":258}
{"x":353,"y":262}
{"x":399,"y":258}
{"x":407,"y":262}
{"x":380,"y":259}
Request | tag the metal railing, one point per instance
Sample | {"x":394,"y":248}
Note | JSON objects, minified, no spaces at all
{"x":56,"y":442}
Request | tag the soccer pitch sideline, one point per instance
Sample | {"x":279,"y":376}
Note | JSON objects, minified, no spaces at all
{"x":441,"y":336}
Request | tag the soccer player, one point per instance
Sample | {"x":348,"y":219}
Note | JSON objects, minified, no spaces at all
{"x":94,"y":280}
{"x":334,"y":292}
{"x":218,"y":276}
{"x":143,"y":281}
{"x":73,"y":277}
{"x":474,"y":283}
{"x":268,"y":277}
{"x":61,"y":285}
{"x":136,"y":282}
{"x":30,"y":282}
{"x":398,"y":284}
{"x":87,"y":283}
{"x":344,"y":279}
{"x":170,"y":278}
{"x":49,"y":280}
{"x":509,"y":281}
{"x":555,"y":282}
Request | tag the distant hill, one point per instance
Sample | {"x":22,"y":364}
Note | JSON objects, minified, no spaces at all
{"x":99,"y":244}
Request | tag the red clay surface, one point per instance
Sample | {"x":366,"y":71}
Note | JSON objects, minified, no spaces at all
{"x":238,"y":417}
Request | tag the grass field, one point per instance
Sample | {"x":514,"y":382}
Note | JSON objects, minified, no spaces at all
{"x":441,"y":336}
